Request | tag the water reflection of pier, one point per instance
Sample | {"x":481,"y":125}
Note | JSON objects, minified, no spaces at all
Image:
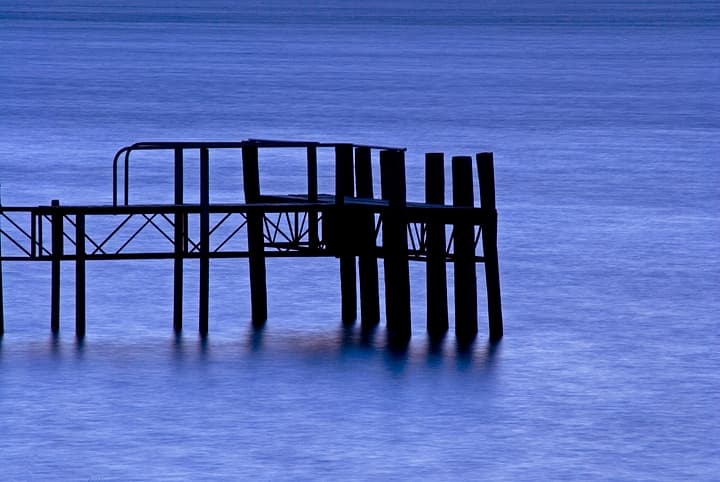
{"x":351,"y":224}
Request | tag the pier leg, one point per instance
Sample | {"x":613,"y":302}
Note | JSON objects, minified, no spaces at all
{"x":436,"y":271}
{"x":56,"y":220}
{"x":367,"y":260}
{"x":256,"y":243}
{"x":344,"y":186}
{"x":2,"y":305}
{"x":179,"y":244}
{"x":80,"y":304}
{"x":395,"y":245}
{"x":204,"y":241}
{"x":486,"y":175}
{"x":312,"y":182}
{"x":464,"y":238}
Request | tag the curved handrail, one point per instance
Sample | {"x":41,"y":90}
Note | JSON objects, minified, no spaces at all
{"x":261,"y":143}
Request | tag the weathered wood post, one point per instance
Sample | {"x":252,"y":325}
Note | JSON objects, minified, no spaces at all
{"x":436,"y":271}
{"x":2,"y":304}
{"x":256,"y":243}
{"x":464,"y":238}
{"x":312,"y":182}
{"x":204,"y":305}
{"x":395,"y":245}
{"x":345,"y":186}
{"x":486,"y":175}
{"x":179,"y":244}
{"x":80,"y":299}
{"x":56,"y":222}
{"x":367,"y":258}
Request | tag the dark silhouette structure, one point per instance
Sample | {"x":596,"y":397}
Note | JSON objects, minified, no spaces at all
{"x":352,"y":224}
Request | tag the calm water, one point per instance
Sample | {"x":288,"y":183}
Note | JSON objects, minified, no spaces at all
{"x":605,"y":121}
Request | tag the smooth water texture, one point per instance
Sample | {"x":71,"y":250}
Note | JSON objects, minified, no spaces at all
{"x":604,"y":118}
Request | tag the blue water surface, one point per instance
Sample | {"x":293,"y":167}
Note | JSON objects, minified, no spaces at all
{"x":604,"y":118}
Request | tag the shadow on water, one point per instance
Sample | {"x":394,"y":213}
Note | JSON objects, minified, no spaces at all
{"x":255,"y":338}
{"x":55,"y":345}
{"x":346,"y":344}
{"x":80,"y":348}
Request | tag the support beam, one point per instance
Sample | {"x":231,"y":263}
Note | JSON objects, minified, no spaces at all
{"x":56,"y":221}
{"x":395,"y":245}
{"x":179,"y":244}
{"x":344,"y":186}
{"x":464,"y":240}
{"x":367,"y":259}
{"x":80,"y":299}
{"x":312,"y":182}
{"x":436,"y":274}
{"x":486,"y":175}
{"x":256,"y":243}
{"x":2,"y":304}
{"x":204,"y":305}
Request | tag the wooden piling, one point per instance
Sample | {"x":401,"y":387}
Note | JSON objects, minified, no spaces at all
{"x":436,"y":272}
{"x":256,"y":243}
{"x":312,"y":183}
{"x":486,"y":176}
{"x":2,"y":304}
{"x":344,"y":186}
{"x":204,"y":305}
{"x":395,"y":244}
{"x":367,"y":258}
{"x":56,"y":221}
{"x":464,"y":255}
{"x":179,"y":244}
{"x":80,"y":299}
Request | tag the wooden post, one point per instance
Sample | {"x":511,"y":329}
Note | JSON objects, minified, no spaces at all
{"x":395,"y":245}
{"x":2,"y":305}
{"x":56,"y":221}
{"x":80,"y":304}
{"x":464,"y":239}
{"x":486,"y":175}
{"x":179,"y":244}
{"x":436,"y":271}
{"x":312,"y":182}
{"x":367,"y":259}
{"x":344,"y":186}
{"x":204,"y":304}
{"x":256,"y":243}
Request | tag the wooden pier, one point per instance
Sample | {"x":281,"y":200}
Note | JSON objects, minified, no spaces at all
{"x":353,"y":224}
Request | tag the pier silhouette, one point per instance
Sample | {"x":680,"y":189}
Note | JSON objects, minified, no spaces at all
{"x":353,"y":224}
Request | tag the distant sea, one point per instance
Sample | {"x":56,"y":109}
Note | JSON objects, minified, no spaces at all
{"x":604,"y":118}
